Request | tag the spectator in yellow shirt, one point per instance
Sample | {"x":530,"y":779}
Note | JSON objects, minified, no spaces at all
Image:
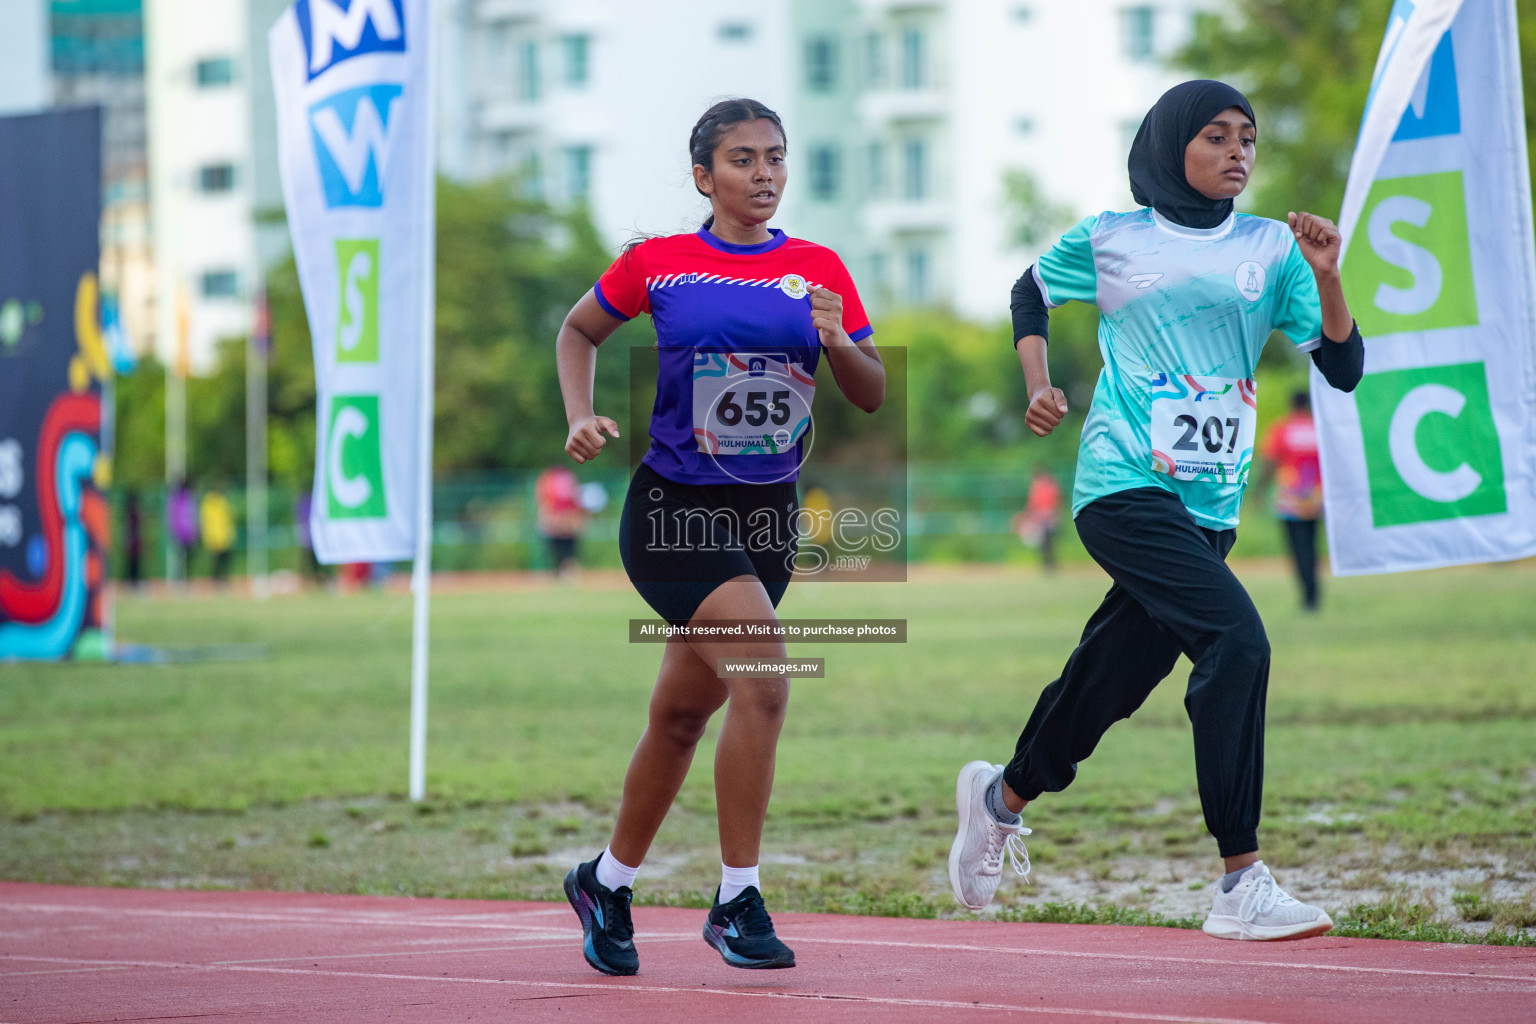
{"x":217,"y":518}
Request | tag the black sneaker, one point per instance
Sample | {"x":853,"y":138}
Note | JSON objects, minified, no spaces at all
{"x":743,"y":932}
{"x":609,"y":943}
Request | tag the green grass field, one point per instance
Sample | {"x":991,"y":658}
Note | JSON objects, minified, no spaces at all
{"x":1400,"y":776}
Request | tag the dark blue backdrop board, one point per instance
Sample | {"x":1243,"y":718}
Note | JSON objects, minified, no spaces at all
{"x":53,"y":367}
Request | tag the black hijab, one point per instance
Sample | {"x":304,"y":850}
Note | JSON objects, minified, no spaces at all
{"x":1157,"y":155}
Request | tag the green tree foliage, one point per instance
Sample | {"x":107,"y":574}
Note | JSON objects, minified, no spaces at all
{"x":508,"y":269}
{"x":1306,"y":66}
{"x":966,"y":396}
{"x":1033,"y":217}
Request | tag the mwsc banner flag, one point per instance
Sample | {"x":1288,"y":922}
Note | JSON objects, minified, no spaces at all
{"x":1432,"y":460}
{"x":354,"y":118}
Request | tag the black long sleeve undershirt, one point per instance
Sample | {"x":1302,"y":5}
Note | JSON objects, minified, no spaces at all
{"x":1342,"y":364}
{"x":1030,"y":313}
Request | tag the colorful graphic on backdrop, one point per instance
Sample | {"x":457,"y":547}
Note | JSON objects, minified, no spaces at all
{"x":53,"y":366}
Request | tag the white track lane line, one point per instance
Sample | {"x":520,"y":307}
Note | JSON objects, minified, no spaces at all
{"x":1149,"y":958}
{"x":316,"y":917}
{"x":61,"y":970}
{"x":564,"y":941}
{"x":411,"y":921}
{"x":620,"y":987}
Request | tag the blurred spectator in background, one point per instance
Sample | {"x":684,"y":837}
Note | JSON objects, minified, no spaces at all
{"x":181,"y":523}
{"x":1037,"y":524}
{"x":561,"y":517}
{"x":217,"y":518}
{"x":1290,"y":454}
{"x":309,"y":565}
{"x":133,"y":538}
{"x":817,"y":509}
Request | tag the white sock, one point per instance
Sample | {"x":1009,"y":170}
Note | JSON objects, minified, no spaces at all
{"x":612,"y":874}
{"x":734,"y":880}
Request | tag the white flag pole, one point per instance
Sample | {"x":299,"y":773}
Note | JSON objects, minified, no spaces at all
{"x":256,"y":349}
{"x":421,"y":574}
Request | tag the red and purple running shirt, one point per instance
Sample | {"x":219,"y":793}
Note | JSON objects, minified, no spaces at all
{"x":714,"y":304}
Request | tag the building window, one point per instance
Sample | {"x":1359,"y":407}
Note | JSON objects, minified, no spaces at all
{"x":220,"y":284}
{"x":578,"y":172}
{"x":528,"y":71}
{"x":823,"y":160}
{"x":530,"y":172}
{"x":1024,"y":126}
{"x":919,"y":287}
{"x":914,"y":170}
{"x":874,"y":59}
{"x":1136,"y":26}
{"x":216,"y":178}
{"x":735,"y":32}
{"x":874,"y":159}
{"x":820,"y":64}
{"x":500,"y":52}
{"x":1023,"y":15}
{"x":913,"y":59}
{"x":215,"y":72}
{"x":574,"y":50}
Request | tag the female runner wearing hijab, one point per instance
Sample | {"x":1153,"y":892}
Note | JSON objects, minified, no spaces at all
{"x":1188,"y":293}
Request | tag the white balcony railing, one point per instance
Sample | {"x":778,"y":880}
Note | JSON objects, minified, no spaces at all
{"x":906,"y":216}
{"x":886,"y":106}
{"x":501,"y":11}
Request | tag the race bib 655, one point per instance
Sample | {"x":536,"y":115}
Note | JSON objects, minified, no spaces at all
{"x":747,"y":403}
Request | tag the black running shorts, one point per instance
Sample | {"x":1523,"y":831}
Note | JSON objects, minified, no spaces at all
{"x":681,"y":541}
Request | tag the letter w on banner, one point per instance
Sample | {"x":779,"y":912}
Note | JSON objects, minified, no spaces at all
{"x":1432,"y":460}
{"x":354,"y":120}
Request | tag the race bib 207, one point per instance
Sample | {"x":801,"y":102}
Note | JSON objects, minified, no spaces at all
{"x":1203,"y":428}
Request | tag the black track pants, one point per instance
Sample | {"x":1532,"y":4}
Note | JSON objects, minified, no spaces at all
{"x":1172,"y":594}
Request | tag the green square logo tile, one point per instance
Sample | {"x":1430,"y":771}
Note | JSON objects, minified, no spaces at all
{"x":1409,"y":267}
{"x":357,"y":318}
{"x":354,"y":463}
{"x":1431,"y":448}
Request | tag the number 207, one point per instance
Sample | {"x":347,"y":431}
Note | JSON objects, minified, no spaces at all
{"x":1212,"y":433}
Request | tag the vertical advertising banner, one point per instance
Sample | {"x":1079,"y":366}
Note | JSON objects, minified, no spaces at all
{"x":1432,"y":460}
{"x":354,"y":121}
{"x":53,"y":368}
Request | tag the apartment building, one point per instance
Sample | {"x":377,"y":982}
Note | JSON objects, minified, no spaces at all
{"x":924,"y":121}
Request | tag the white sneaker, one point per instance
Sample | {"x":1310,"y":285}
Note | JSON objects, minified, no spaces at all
{"x":1257,"y":908}
{"x":976,"y":856}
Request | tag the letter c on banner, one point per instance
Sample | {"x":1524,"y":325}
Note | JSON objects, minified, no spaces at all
{"x":1416,"y":473}
{"x":350,"y":492}
{"x":1417,"y":260}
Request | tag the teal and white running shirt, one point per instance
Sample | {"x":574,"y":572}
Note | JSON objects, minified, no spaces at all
{"x":1184,"y":313}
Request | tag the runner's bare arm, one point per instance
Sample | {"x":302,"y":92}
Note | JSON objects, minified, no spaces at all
{"x":856,"y":365}
{"x":586,"y":326}
{"x":1047,"y":405}
{"x":1320,"y":244}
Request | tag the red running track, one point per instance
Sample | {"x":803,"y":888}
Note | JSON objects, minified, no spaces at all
{"x":78,"y":955}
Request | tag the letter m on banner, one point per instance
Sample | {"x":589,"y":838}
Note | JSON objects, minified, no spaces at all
{"x":335,"y":30}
